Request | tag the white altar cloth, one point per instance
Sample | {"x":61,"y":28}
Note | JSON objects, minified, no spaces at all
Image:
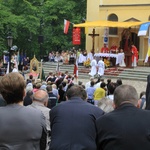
{"x":119,"y":57}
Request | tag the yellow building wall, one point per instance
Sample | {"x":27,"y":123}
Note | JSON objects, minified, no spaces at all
{"x":92,"y":14}
{"x":123,"y":2}
{"x":124,"y":9}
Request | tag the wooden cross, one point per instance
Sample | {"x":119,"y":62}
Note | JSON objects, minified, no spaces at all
{"x":93,"y":37}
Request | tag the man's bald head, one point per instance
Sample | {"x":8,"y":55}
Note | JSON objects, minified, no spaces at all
{"x":40,"y":96}
{"x":125,"y":94}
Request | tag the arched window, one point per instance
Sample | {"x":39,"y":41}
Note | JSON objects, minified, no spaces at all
{"x":113,"y":31}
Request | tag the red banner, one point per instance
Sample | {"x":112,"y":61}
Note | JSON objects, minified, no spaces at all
{"x":76,"y":37}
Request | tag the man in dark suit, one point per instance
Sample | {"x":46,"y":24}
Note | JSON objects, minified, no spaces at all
{"x":21,"y":128}
{"x":127,"y":127}
{"x":73,"y":122}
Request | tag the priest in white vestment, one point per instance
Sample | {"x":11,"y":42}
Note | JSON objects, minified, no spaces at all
{"x":101,"y":67}
{"x":93,"y":65}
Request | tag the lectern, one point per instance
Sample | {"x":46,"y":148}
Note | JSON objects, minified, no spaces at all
{"x":128,"y":58}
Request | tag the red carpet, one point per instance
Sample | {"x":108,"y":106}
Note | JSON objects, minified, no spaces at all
{"x":114,"y":71}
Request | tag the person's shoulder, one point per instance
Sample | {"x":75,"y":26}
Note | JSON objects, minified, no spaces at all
{"x":105,"y":118}
{"x":143,"y":112}
{"x":52,"y":95}
{"x":31,"y":110}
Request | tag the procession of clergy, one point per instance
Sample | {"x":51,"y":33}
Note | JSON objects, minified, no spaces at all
{"x":97,"y":64}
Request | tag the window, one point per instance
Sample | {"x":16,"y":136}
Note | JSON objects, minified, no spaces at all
{"x":113,"y":31}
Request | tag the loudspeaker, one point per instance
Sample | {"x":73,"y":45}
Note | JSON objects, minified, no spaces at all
{"x":40,"y":39}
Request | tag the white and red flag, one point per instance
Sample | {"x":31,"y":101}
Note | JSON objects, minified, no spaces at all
{"x":66,"y":26}
{"x":75,"y":72}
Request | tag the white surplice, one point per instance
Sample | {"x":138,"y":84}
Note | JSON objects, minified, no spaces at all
{"x":93,"y":67}
{"x":122,"y":64}
{"x":101,"y":67}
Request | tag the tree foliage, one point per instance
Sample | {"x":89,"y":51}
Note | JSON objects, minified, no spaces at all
{"x":27,"y":19}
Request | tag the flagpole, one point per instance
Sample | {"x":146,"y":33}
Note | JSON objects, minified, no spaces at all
{"x":76,"y":69}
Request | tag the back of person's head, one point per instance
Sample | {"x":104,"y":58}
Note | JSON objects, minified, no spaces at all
{"x":50,"y":73}
{"x":29,"y":93}
{"x":54,"y":86}
{"x":80,"y":82}
{"x":44,"y":83}
{"x":63,"y":84}
{"x":111,"y":87}
{"x":119,"y":82}
{"x":66,"y":72}
{"x":65,"y":80}
{"x":103,"y":84}
{"x":49,"y":88}
{"x":76,"y":91}
{"x":29,"y":87}
{"x":142,"y":94}
{"x":101,"y":80}
{"x":92,"y":83}
{"x":43,"y":87}
{"x":31,"y":76}
{"x":12,"y":87}
{"x":125,"y":94}
{"x":108,"y":81}
{"x":62,"y":74}
{"x":40,"y":96}
{"x":49,"y":83}
{"x":38,"y":85}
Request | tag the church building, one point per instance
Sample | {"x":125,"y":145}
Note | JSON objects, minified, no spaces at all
{"x":121,"y":11}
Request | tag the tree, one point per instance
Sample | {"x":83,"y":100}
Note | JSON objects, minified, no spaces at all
{"x":23,"y":18}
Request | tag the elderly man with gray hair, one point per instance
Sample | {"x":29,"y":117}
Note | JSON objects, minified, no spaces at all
{"x":127,"y":127}
{"x":40,"y":101}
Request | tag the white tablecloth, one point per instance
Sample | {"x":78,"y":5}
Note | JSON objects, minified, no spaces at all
{"x":119,"y":57}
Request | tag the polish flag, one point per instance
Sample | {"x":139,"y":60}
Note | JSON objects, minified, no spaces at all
{"x":75,"y":72}
{"x":66,"y":26}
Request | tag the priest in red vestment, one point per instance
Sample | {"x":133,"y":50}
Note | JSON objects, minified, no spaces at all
{"x":134,"y":55}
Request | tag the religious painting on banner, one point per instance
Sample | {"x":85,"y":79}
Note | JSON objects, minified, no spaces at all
{"x":76,"y":37}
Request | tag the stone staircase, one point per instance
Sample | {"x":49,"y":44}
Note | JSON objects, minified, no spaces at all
{"x":51,"y":67}
{"x":138,"y":73}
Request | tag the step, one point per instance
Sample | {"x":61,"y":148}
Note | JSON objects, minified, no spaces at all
{"x":125,"y":77}
{"x":139,"y":73}
{"x":134,"y":74}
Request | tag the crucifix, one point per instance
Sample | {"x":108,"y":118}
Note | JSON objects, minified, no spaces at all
{"x":93,"y":41}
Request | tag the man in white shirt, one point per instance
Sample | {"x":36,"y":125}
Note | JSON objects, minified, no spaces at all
{"x":87,"y":85}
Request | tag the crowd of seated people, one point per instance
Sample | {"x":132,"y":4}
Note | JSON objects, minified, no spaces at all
{"x":53,"y":92}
